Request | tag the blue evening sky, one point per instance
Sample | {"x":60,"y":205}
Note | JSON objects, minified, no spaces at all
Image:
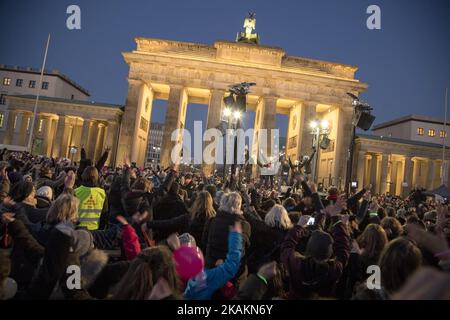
{"x":406,"y":63}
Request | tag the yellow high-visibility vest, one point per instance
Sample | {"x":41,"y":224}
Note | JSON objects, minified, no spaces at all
{"x":90,"y":207}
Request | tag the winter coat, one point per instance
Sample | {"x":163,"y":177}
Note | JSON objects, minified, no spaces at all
{"x":217,"y":277}
{"x":29,"y":214}
{"x":265,"y":243}
{"x":217,"y":244}
{"x":170,"y":206}
{"x":25,"y":255}
{"x":53,"y":270}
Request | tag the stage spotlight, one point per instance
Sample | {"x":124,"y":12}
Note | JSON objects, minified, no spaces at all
{"x":313,"y":124}
{"x":237,"y":114}
{"x":227,"y":112}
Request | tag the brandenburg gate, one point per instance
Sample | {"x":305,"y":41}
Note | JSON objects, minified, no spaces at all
{"x":184,"y":72}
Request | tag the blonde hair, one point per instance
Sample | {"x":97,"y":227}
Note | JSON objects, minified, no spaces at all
{"x":231,"y":203}
{"x":64,"y":208}
{"x":203,"y":204}
{"x":277,"y":217}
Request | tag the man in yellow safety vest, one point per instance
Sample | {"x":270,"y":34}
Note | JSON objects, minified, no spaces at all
{"x":92,"y":199}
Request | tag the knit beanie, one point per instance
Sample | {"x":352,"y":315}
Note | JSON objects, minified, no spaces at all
{"x":319,"y":245}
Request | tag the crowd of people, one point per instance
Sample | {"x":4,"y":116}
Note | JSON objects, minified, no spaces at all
{"x":161,"y":234}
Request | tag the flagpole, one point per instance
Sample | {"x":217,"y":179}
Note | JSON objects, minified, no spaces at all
{"x":30,"y":137}
{"x":444,"y":171}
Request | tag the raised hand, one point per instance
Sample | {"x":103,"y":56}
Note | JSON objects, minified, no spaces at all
{"x":69,"y":181}
{"x":122,"y":220}
{"x":335,"y":209}
{"x":8,"y":217}
{"x":313,"y":187}
{"x":173,"y":241}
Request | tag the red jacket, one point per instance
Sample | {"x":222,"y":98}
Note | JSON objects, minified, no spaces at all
{"x":130,"y":242}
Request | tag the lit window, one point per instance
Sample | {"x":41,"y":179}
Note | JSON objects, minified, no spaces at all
{"x":2,"y":99}
{"x":32,"y":84}
{"x":6,"y":81}
{"x":19,"y":82}
{"x":41,"y":122}
{"x":420,"y":131}
{"x":45,"y":85}
{"x":443,"y":134}
{"x":2,"y":118}
{"x":431,"y":132}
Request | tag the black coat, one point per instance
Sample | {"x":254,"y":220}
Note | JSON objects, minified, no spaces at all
{"x":170,"y":206}
{"x":29,"y":214}
{"x":25,"y":255}
{"x":58,"y":256}
{"x":217,"y":245}
{"x":265,"y":243}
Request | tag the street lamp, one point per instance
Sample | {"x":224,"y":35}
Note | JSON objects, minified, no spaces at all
{"x":319,"y":129}
{"x":235,"y":105}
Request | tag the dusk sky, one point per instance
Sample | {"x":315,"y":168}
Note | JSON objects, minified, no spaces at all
{"x":406,"y":63}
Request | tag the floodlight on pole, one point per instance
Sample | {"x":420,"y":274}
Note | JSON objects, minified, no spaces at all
{"x":227,"y":112}
{"x":237,"y":114}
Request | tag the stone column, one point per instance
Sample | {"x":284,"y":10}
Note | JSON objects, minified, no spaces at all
{"x":142,"y":126}
{"x":373,"y":173}
{"x":444,"y":173}
{"x":84,"y":141}
{"x":394,"y":172}
{"x":431,"y":174}
{"x":93,"y":138}
{"x":214,"y":115}
{"x":265,"y":119}
{"x":45,"y":134}
{"x":60,"y":127}
{"x":306,"y":140}
{"x":175,"y":104}
{"x":416,"y":177}
{"x":129,"y":119}
{"x":100,"y":145}
{"x":294,"y":132}
{"x":360,"y":168}
{"x":9,"y":131}
{"x":269,"y":123}
{"x":24,"y":129}
{"x":343,"y":139}
{"x":110,"y":141}
{"x":384,"y":173}
{"x":407,"y":175}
